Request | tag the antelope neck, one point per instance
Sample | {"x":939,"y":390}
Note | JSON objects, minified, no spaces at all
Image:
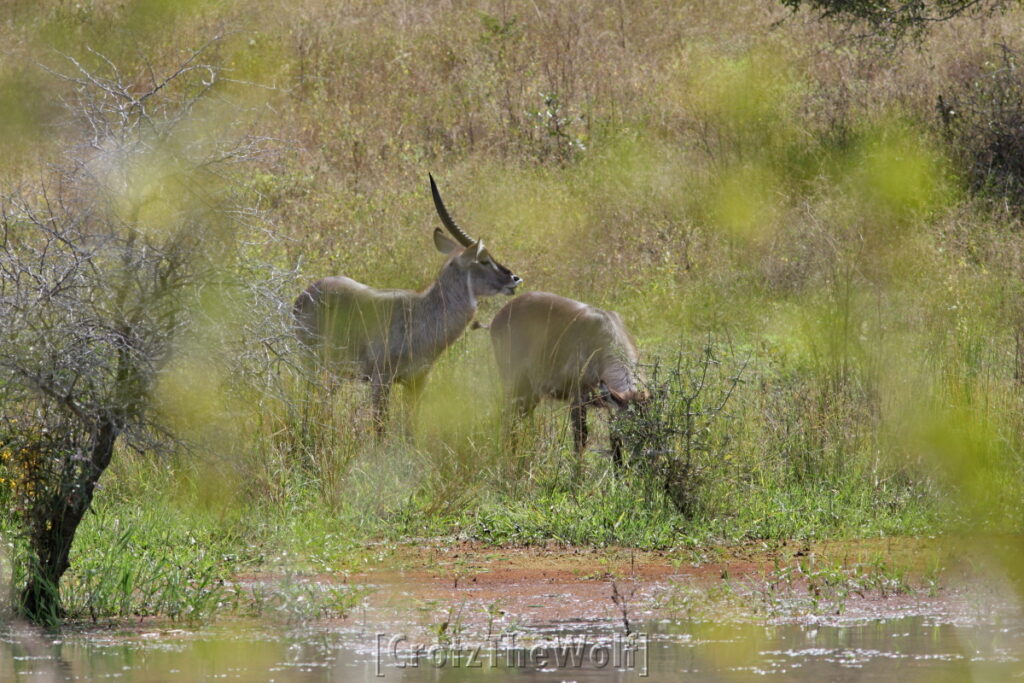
{"x":449,"y":306}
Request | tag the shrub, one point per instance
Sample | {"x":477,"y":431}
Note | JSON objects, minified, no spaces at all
{"x":683,"y":425}
{"x":983,"y":121}
{"x":102,"y":266}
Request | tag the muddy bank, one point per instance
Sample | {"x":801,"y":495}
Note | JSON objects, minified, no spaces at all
{"x":431,"y":587}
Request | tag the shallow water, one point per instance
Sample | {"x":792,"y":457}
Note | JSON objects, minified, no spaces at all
{"x":913,"y":648}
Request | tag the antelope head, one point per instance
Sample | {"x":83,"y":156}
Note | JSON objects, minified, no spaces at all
{"x":608,"y":397}
{"x":487,"y":277}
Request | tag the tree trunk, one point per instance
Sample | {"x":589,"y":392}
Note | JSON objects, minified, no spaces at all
{"x":52,"y":539}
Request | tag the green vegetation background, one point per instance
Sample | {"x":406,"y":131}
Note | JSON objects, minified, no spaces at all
{"x":732,"y":178}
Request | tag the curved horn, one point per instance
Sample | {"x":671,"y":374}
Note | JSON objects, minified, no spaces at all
{"x":453,"y":227}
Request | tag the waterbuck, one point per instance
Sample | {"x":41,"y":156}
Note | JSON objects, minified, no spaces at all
{"x":383,"y":336}
{"x":547,"y":346}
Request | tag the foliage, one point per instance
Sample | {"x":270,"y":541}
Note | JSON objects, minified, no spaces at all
{"x":896,"y":18}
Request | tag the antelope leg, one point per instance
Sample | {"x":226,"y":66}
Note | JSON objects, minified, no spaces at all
{"x":380,"y":391}
{"x":578,"y":415}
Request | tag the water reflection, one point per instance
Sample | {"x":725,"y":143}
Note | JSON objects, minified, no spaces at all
{"x":913,"y":648}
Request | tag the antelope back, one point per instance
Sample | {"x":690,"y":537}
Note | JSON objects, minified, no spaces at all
{"x":552,"y":346}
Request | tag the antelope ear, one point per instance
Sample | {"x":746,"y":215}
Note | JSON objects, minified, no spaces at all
{"x":472,"y":252}
{"x":443,"y":243}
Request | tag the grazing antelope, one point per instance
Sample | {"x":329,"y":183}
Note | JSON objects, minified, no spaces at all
{"x":550,"y":346}
{"x":384,"y":336}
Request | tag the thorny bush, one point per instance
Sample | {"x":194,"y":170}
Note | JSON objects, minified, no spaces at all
{"x":683,"y":426}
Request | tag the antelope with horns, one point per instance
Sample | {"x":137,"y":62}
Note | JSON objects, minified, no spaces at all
{"x":383,"y":336}
{"x":547,"y":346}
